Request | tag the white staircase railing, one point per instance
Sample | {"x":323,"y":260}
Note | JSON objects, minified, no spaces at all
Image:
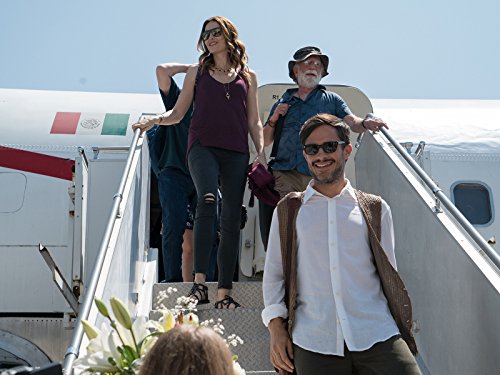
{"x":105,"y":253}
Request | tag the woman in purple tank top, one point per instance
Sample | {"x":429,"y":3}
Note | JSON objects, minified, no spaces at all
{"x":224,"y":91}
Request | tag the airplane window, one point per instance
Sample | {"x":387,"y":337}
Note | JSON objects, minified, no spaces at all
{"x":473,"y":201}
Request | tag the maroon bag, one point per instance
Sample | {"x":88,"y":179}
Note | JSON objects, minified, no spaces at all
{"x":261,"y":184}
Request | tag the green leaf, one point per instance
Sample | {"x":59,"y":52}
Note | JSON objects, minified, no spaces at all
{"x":156,"y":333}
{"x":128,"y":353}
{"x":152,"y":334}
{"x":112,"y":361}
{"x":123,"y":358}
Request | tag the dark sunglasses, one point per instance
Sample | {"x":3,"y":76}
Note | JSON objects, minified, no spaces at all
{"x":215,"y":32}
{"x":328,"y":147}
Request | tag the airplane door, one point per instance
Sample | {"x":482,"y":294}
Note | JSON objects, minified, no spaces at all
{"x":252,"y":250}
{"x":80,"y":221}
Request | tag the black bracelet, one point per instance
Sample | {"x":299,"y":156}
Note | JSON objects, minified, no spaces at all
{"x":363,"y":123}
{"x":269,"y":123}
{"x":161,"y":119}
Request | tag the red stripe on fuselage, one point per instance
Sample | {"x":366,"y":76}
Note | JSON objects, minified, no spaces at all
{"x":34,"y":162}
{"x":65,"y":123}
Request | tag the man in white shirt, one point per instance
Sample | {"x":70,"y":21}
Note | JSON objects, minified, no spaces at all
{"x":342,"y":323}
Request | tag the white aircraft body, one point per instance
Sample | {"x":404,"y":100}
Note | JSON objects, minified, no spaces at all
{"x":62,"y":156}
{"x":460,"y":151}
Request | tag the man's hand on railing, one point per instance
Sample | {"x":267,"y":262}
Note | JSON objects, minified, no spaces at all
{"x":373,"y":123}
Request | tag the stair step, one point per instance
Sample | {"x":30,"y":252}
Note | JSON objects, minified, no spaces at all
{"x":247,"y":293}
{"x":253,"y":354}
{"x":246,"y":322}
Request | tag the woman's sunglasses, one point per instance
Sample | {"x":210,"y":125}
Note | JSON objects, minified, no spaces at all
{"x":328,"y":147}
{"x":216,"y":32}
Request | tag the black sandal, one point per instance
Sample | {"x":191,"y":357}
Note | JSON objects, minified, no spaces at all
{"x":199,"y":292}
{"x":227,"y":303}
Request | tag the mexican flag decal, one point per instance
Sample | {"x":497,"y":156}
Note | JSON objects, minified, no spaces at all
{"x":84,"y":123}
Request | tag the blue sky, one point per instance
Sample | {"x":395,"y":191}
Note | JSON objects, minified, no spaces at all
{"x":388,"y":48}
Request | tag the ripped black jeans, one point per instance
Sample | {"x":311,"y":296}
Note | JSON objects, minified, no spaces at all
{"x":210,"y":166}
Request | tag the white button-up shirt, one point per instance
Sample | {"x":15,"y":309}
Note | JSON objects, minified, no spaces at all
{"x":340,"y":297}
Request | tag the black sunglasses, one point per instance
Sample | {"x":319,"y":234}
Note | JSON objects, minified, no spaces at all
{"x":215,"y":32}
{"x":328,"y":147}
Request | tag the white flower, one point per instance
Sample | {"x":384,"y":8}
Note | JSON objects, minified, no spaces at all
{"x":107,"y":351}
{"x":186,"y":303}
{"x":237,"y":369}
{"x":148,"y":344}
{"x":99,"y":350}
{"x":113,"y":343}
{"x":167,"y":321}
{"x":95,"y":362}
{"x":191,"y":319}
{"x":140,"y":328}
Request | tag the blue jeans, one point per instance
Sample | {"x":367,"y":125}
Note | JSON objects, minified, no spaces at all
{"x":176,"y":190}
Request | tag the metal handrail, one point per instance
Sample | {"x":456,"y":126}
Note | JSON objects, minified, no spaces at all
{"x":110,"y":148}
{"x":439,"y":194}
{"x":76,"y":341}
{"x":98,"y":150}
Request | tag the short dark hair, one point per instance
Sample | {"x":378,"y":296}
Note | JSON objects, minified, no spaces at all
{"x":321,"y":119}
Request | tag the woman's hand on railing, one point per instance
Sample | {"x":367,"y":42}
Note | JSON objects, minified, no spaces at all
{"x":145,"y":123}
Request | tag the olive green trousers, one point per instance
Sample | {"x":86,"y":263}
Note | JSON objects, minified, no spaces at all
{"x":390,"y":357}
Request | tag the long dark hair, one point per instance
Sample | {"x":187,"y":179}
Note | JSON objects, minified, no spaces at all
{"x":236,"y":49}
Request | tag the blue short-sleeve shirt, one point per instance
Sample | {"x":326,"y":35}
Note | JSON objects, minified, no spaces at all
{"x":289,"y":156}
{"x":168,"y":144}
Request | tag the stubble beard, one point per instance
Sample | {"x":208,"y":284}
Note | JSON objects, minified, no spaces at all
{"x":332,"y":178}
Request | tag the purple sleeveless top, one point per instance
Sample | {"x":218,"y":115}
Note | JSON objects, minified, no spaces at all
{"x":218,"y":121}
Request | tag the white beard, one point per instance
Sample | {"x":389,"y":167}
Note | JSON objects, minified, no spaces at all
{"x":308,"y":81}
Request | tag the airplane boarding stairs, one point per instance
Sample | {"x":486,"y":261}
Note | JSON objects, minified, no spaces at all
{"x":453,"y":285}
{"x":125,"y":267}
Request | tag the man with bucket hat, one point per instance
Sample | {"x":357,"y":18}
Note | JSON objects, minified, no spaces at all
{"x":308,"y":66}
